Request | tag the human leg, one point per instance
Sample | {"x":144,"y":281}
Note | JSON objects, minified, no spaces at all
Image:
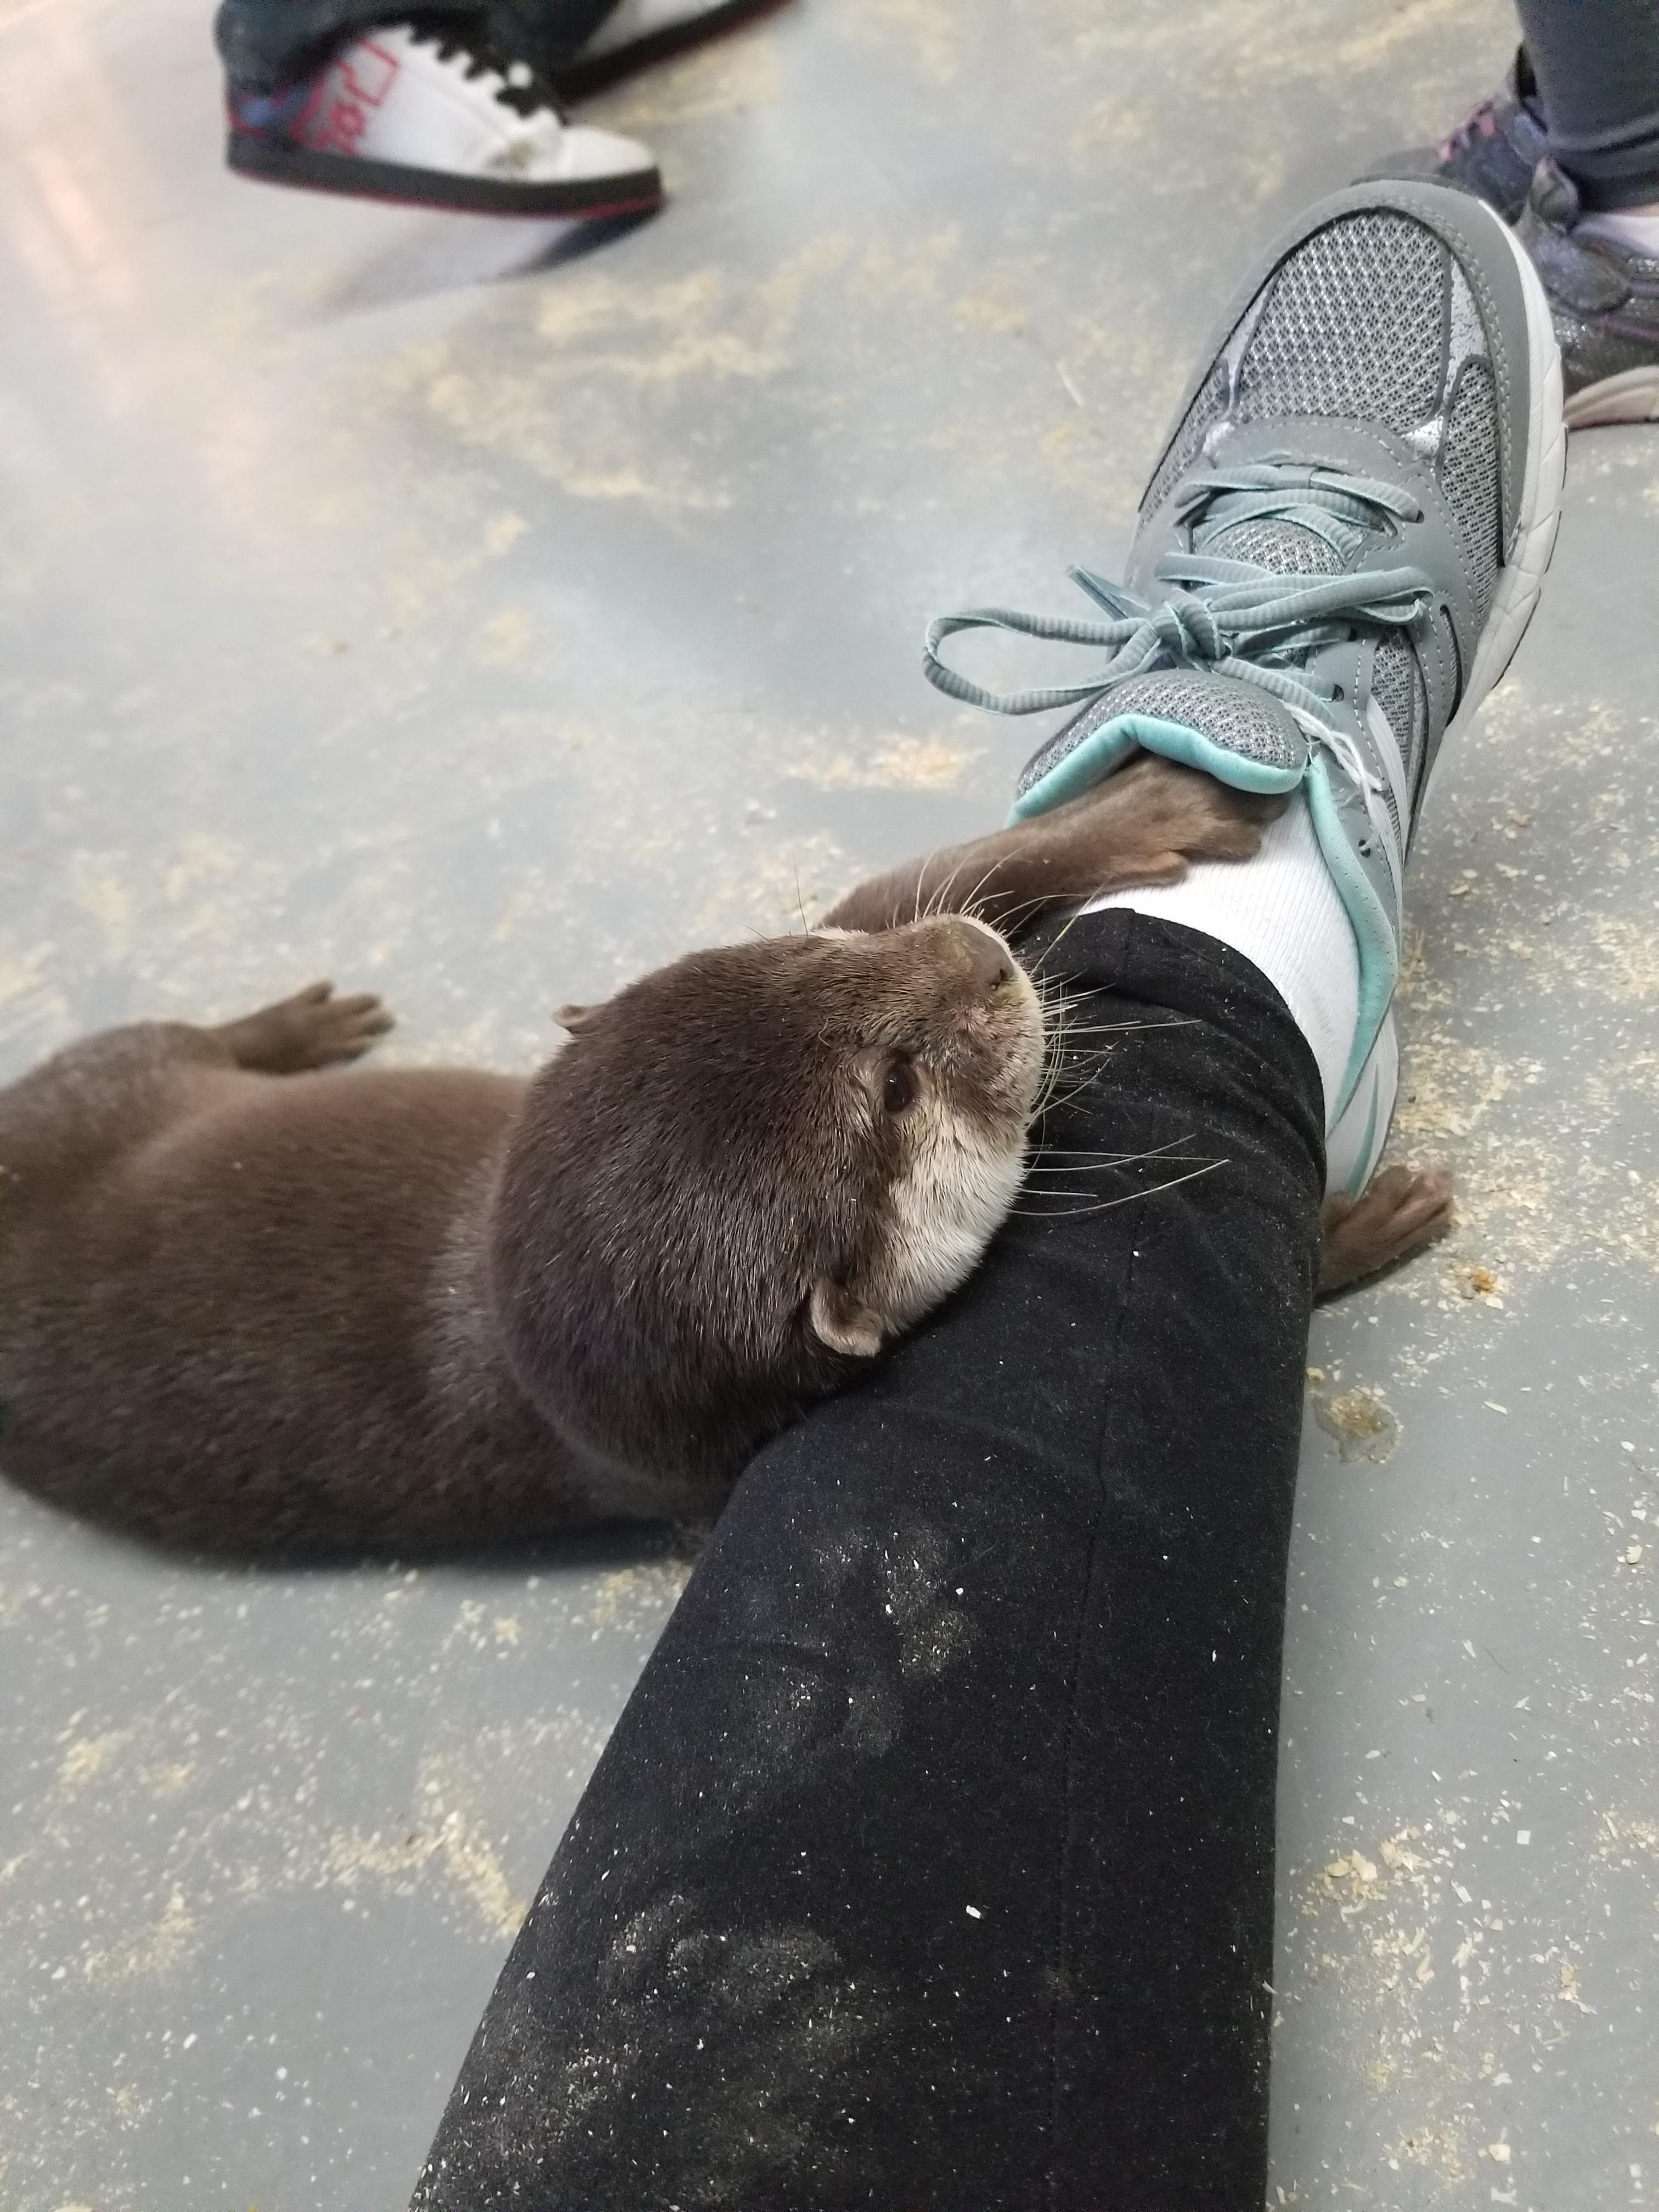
{"x":931,"y":1862}
{"x":266,"y":44}
{"x":1583,"y":88}
{"x":1596,"y":66}
{"x":618,"y":37}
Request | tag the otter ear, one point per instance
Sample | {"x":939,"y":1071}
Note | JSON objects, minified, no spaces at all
{"x":573,"y":1018}
{"x":840,"y":1322}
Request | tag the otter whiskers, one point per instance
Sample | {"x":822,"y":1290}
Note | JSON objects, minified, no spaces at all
{"x":1105,"y":1204}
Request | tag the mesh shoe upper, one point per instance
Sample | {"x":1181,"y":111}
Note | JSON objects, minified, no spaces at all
{"x":1369,"y":293}
{"x":1365,"y":348}
{"x":1373,"y":322}
{"x":1313,"y":590}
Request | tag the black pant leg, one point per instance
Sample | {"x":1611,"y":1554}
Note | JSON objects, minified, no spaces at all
{"x":266,"y":44}
{"x":930,"y":1863}
{"x":1597,"y":66}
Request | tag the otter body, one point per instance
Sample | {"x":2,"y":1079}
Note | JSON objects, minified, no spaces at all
{"x":249,"y":1306}
{"x":245,"y":1310}
{"x":241,"y":1308}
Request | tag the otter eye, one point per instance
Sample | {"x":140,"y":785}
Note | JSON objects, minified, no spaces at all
{"x":899,"y":1089}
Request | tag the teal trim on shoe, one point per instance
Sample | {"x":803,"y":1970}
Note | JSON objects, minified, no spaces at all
{"x":1101,"y":752}
{"x":1373,"y":931}
{"x":1105,"y":749}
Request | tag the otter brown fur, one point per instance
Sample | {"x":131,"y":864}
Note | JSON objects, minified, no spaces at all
{"x":249,"y":1306}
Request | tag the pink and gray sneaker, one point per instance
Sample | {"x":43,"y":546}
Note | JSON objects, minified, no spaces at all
{"x":1492,"y":152}
{"x":424,"y":112}
{"x":1603,"y":283}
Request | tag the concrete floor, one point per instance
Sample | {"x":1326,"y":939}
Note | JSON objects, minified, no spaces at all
{"x":483,"y":612}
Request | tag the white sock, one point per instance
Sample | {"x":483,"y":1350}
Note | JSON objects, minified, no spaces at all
{"x":1637,"y":231}
{"x":1281,"y":911}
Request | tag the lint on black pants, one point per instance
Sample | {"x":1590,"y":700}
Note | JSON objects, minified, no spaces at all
{"x":930,"y":1865}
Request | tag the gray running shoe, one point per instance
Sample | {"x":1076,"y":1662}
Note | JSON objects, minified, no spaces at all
{"x":1605,"y":299}
{"x":1339,"y":548}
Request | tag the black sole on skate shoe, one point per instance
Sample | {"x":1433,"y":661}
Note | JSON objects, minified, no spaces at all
{"x":271,"y":162}
{"x":574,"y":80}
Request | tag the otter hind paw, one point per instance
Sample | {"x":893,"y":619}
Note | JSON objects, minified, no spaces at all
{"x":313,"y":1029}
{"x":1397,"y":1212}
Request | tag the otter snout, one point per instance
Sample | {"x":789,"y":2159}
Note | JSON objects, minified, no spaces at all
{"x":990,"y":963}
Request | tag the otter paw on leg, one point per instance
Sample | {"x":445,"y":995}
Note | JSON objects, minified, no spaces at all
{"x":1214,"y":822}
{"x":1151,"y":821}
{"x":1398,"y":1211}
{"x":313,"y":1029}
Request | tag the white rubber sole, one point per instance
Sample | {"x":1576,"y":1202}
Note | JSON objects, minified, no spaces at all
{"x":1630,"y":397}
{"x":1354,"y":1144}
{"x":1522,"y":576}
{"x":1356,"y":1139}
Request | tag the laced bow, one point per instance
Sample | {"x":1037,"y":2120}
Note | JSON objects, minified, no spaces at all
{"x":1224,"y":616}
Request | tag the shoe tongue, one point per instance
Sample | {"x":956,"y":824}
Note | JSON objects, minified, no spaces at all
{"x":1234,"y":716}
{"x":1273,"y":543}
{"x":466,"y":38}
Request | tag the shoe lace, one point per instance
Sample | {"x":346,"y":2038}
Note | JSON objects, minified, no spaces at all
{"x":1225,"y":617}
{"x":461,"y":41}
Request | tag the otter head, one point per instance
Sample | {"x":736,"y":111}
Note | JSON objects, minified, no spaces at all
{"x":746,"y":1172}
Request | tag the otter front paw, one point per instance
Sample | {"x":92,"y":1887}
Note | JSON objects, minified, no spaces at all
{"x":1148,"y":823}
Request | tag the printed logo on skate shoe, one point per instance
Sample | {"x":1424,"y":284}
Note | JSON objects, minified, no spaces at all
{"x":358,"y":83}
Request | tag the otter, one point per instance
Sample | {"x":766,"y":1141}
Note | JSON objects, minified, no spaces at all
{"x":249,"y":1306}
